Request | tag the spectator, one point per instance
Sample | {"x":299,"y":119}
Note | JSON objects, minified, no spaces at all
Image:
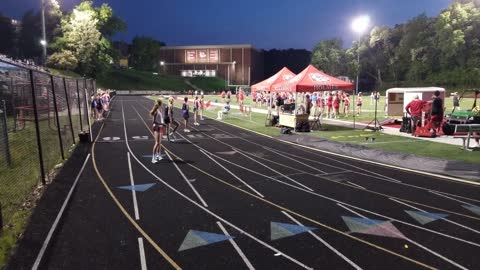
{"x":436,"y":115}
{"x":414,"y":109}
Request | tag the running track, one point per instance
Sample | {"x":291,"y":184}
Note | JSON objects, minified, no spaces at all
{"x":226,"y":198}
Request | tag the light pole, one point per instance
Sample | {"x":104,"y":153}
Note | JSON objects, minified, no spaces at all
{"x":359,"y":26}
{"x":43,"y":42}
{"x":162,"y":64}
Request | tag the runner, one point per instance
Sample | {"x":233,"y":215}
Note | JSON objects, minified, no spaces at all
{"x":346,"y":105}
{"x":185,"y":114}
{"x":157,"y":127}
{"x":336,"y":105}
{"x":196,"y":108}
{"x":330,"y":105}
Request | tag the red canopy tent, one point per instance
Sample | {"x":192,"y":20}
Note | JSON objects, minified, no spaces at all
{"x":312,"y":80}
{"x":282,"y":76}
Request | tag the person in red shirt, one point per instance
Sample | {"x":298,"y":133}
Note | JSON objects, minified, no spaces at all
{"x":346,"y":105}
{"x":414,"y":109}
{"x":330,"y":105}
{"x":336,"y":105}
{"x":241,"y":97}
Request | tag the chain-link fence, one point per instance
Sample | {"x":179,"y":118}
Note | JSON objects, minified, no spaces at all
{"x":41,"y":116}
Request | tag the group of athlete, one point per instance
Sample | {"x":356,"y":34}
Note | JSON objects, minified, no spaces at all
{"x":100,"y":104}
{"x":164,"y":124}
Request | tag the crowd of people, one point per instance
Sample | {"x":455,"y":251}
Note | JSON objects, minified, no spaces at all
{"x":328,"y":104}
{"x":100,"y":104}
{"x":25,"y":63}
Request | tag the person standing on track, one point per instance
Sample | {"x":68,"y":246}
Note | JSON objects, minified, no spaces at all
{"x":172,"y":120}
{"x":185,"y":114}
{"x":157,"y":127}
{"x":202,"y":107}
{"x":359,"y":104}
{"x":436,"y":114}
{"x":196,"y":108}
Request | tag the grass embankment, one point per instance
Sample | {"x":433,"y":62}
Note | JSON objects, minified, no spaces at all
{"x":398,"y":144}
{"x":140,"y":80}
{"x":20,"y":179}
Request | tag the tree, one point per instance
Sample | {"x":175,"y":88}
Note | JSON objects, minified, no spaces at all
{"x":329,"y":56}
{"x":7,"y":32}
{"x":145,"y":52}
{"x":82,"y":36}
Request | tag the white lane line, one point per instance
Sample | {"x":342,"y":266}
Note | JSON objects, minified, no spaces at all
{"x":143,"y":261}
{"x":294,"y":160}
{"x":134,"y":194}
{"x":378,"y":176}
{"x":273,"y":170}
{"x":290,"y":174}
{"x":325,"y":243}
{"x":453,"y":195}
{"x":237,"y":248}
{"x":45,"y":244}
{"x":355,"y":185}
{"x":333,"y":173}
{"x":202,"y":207}
{"x":234,"y":175}
{"x":447,"y":220}
{"x":351,"y":211}
{"x":187,"y":181}
{"x":450,"y":198}
{"x":413,"y":242}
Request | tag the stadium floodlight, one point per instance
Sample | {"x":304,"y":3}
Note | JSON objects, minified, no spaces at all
{"x":360,"y":24}
{"x":43,"y":42}
{"x":162,"y":63}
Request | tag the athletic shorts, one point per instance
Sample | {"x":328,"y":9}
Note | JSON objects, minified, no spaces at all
{"x":436,"y":118}
{"x":158,"y":129}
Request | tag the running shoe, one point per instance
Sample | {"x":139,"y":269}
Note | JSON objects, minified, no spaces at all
{"x":154,"y":160}
{"x":186,"y":130}
{"x":171,"y":134}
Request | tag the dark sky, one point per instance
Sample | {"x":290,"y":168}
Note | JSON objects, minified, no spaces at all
{"x":262,"y":23}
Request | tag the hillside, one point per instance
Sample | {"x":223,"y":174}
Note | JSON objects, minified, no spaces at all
{"x":141,"y":80}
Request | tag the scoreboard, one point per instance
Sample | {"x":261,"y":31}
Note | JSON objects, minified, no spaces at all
{"x":202,"y":56}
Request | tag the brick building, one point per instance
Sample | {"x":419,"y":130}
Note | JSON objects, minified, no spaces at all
{"x":237,"y":64}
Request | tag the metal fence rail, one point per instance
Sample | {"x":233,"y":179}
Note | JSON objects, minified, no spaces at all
{"x":41,"y":116}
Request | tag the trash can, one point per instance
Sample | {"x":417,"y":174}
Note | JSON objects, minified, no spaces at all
{"x":84,"y":136}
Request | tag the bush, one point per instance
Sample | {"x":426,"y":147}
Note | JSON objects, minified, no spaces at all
{"x":64,"y":60}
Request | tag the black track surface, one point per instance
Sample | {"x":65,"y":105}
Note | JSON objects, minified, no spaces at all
{"x":95,"y":234}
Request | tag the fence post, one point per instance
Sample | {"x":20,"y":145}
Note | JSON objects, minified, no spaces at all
{"x":5,"y":134}
{"x":79,"y":106}
{"x":68,"y":107}
{"x":88,"y":107}
{"x":1,"y":218}
{"x":56,"y":117}
{"x":37,"y":128}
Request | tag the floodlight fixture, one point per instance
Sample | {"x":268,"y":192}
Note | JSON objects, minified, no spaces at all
{"x":361,"y":24}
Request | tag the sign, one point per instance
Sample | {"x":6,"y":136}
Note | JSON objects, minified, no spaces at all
{"x":199,"y":73}
{"x":191,"y":56}
{"x":214,"y":56}
{"x":202,"y":56}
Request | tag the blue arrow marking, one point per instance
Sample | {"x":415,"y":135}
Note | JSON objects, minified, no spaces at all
{"x":140,"y":188}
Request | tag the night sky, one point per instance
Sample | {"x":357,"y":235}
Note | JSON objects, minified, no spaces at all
{"x":263,"y":23}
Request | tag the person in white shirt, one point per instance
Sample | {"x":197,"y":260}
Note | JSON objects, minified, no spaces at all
{"x":225,"y":110}
{"x":157,"y":128}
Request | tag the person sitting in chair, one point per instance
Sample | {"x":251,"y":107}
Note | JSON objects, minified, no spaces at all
{"x":225,"y":110}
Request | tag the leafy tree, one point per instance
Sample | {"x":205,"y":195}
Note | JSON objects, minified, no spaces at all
{"x":329,"y":56}
{"x":294,"y":59}
{"x":83,"y":36}
{"x":7,"y":32}
{"x":145,"y":52}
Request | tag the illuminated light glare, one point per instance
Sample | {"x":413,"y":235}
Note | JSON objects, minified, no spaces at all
{"x":162,"y":63}
{"x":43,"y":42}
{"x":360,"y":24}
